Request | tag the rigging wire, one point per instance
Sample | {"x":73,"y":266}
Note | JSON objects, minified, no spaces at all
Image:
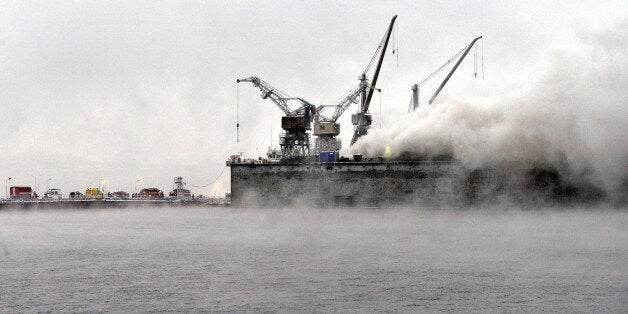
{"x":206,"y":185}
{"x":269,"y":134}
{"x":377,"y":51}
{"x":442,"y":67}
{"x":381,"y":44}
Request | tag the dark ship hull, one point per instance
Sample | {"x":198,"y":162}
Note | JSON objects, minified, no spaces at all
{"x":395,"y":183}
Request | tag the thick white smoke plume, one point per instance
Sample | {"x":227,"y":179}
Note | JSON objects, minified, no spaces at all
{"x":571,"y":113}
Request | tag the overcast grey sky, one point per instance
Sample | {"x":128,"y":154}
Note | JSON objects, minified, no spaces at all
{"x":146,"y":89}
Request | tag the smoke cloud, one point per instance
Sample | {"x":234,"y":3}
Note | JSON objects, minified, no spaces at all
{"x":570,"y":113}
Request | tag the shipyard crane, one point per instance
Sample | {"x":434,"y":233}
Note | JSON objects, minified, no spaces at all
{"x":295,"y":141}
{"x":414,"y":101}
{"x":362,"y":119}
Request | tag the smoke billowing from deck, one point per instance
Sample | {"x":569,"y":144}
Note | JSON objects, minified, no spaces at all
{"x":571,"y":114}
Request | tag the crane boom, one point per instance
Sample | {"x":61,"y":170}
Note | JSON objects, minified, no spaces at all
{"x":278,"y":97}
{"x":464,"y":54}
{"x":369,"y":92}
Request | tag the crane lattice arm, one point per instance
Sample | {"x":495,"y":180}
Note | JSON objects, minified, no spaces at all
{"x":341,"y":106}
{"x":280,"y":98}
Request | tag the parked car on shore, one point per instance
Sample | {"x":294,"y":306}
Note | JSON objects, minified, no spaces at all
{"x":76,"y":195}
{"x":53,"y":194}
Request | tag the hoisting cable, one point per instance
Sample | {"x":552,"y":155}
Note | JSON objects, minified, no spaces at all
{"x":475,"y":61}
{"x":396,"y":49}
{"x":237,"y":113}
{"x":482,"y":53}
{"x":380,"y":107}
{"x":206,"y":185}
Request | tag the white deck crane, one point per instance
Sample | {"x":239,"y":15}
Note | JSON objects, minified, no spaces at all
{"x":295,"y":141}
{"x":362,"y":119}
{"x":414,"y":101}
{"x":325,"y":126}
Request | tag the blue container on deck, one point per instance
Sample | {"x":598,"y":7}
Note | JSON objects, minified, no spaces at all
{"x":328,"y":157}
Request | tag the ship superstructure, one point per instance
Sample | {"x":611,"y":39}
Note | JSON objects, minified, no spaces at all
{"x":179,"y":192}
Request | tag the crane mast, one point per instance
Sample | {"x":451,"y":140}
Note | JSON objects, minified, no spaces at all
{"x":362,"y":119}
{"x":295,"y":141}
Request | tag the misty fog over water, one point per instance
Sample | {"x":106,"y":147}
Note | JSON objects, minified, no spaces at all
{"x":193,"y":259}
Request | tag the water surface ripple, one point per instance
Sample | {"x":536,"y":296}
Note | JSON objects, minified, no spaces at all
{"x":225,"y":259}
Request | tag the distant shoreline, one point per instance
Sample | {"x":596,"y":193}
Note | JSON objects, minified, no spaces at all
{"x":104,"y":203}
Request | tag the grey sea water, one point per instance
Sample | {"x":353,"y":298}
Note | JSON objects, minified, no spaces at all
{"x":224,"y":259}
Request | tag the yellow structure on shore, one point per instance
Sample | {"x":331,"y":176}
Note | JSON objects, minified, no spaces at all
{"x":94,"y":193}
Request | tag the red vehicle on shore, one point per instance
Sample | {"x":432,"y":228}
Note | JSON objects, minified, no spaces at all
{"x":22,"y":192}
